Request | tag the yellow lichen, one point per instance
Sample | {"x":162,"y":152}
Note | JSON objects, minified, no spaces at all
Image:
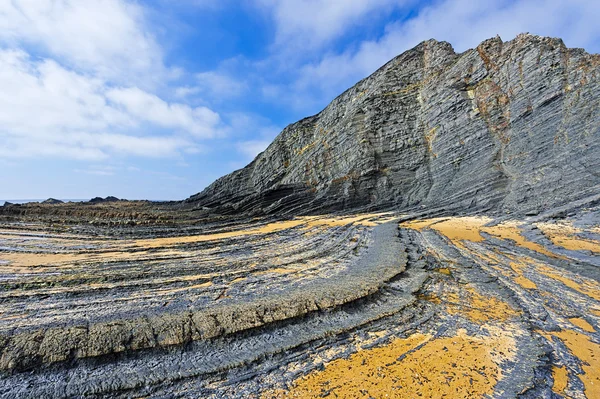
{"x":419,"y":366}
{"x":139,"y":249}
{"x":444,"y":270}
{"x":478,"y":308}
{"x":429,"y":138}
{"x":306,"y":148}
{"x":586,"y":287}
{"x":524,"y":282}
{"x":584,"y":325}
{"x":565,"y":235}
{"x":460,"y":229}
{"x":588,"y":353}
{"x":510,"y":230}
{"x":469,"y":228}
{"x":560,"y":377}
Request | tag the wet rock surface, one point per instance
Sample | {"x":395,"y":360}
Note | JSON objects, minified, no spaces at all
{"x":434,"y":232}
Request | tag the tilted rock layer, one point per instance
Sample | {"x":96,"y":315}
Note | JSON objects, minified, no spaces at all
{"x":509,"y":126}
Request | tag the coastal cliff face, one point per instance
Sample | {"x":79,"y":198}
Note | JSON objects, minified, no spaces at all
{"x":507,"y":126}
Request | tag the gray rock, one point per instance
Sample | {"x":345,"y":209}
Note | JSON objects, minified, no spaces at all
{"x":507,"y":126}
{"x":52,"y":201}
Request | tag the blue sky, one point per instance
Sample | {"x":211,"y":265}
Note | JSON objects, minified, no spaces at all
{"x":156,"y":99}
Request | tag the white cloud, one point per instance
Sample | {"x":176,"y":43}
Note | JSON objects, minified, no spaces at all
{"x":200,"y":121}
{"x":41,"y":95}
{"x":98,"y":170}
{"x":219,"y":85}
{"x":205,"y":4}
{"x":185,"y":91}
{"x":252,"y":148}
{"x":312,"y":23}
{"x":256,"y":134}
{"x":106,"y":37}
{"x":88,"y":97}
{"x":46,"y":110}
{"x":89,"y":146}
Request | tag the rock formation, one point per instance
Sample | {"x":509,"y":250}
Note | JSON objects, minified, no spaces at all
{"x":52,"y":201}
{"x":275,"y":282}
{"x":508,"y":126}
{"x":98,"y":200}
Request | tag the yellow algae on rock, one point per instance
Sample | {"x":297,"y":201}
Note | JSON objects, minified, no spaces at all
{"x":137,"y":250}
{"x":510,"y":231}
{"x":277,"y":270}
{"x":462,"y":228}
{"x":418,"y":224}
{"x":519,"y":267}
{"x":191,"y":287}
{"x":587,"y":287}
{"x":525,"y":282}
{"x":469,"y":228}
{"x":588,"y":353}
{"x":565,"y":235}
{"x":367,"y":219}
{"x":462,"y":366}
{"x":560,"y":376}
{"x":444,"y":270}
{"x":267,"y":228}
{"x":478,"y":308}
{"x":584,"y":325}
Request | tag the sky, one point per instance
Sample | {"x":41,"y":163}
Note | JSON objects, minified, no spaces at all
{"x":157,"y":99}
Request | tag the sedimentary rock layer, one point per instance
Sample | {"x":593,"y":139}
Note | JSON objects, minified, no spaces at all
{"x":69,"y":297}
{"x":281,"y":308}
{"x":510,"y":126}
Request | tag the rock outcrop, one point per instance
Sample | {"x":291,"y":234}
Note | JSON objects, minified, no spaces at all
{"x":507,"y":126}
{"x":99,"y":200}
{"x":52,"y":201}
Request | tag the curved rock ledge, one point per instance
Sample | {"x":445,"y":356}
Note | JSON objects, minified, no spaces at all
{"x":384,"y":259}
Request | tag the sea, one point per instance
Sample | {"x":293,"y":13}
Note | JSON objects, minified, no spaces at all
{"x":24,"y":201}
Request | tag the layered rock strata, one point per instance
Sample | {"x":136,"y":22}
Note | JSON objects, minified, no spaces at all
{"x":274,"y":309}
{"x":509,"y":126}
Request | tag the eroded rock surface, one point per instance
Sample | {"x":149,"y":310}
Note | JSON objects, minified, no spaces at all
{"x":506,"y":126}
{"x":466,"y":305}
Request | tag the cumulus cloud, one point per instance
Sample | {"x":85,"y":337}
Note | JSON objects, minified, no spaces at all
{"x":186,"y":91}
{"x":219,"y":84}
{"x":47,"y":110}
{"x":252,"y":148}
{"x":255,"y":134}
{"x":200,"y":121}
{"x":98,"y":170}
{"x":87,"y":94}
{"x":105,"y":37}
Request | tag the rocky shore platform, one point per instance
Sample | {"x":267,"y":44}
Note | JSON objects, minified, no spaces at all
{"x":135,"y":299}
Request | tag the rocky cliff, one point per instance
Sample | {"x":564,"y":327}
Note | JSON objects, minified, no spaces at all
{"x":124,"y":299}
{"x":507,"y":126}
